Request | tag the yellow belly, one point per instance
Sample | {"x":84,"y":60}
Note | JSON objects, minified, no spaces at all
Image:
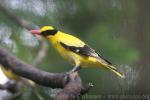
{"x":73,"y":57}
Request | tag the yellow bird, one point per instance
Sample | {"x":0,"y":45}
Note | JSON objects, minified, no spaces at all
{"x":9,"y":74}
{"x":12,"y":76}
{"x":74,"y":50}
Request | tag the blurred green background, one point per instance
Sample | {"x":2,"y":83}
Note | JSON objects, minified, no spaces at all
{"x":117,"y":29}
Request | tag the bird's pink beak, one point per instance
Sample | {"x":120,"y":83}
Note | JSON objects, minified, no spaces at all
{"x":35,"y":32}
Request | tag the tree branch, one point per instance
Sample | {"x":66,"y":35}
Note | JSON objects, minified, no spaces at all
{"x":71,"y":90}
{"x":28,"y":71}
{"x":71,"y":83}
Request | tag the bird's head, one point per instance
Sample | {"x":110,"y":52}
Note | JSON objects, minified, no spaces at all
{"x":45,"y":31}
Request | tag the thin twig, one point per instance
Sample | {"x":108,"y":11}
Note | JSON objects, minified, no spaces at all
{"x":25,"y":24}
{"x":14,"y":18}
{"x":41,"y":53}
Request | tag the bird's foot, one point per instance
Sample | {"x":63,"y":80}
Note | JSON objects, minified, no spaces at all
{"x":75,"y":69}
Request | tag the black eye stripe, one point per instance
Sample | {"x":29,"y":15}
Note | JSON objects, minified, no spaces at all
{"x":49,"y":32}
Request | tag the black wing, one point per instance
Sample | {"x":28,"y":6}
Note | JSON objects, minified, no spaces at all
{"x":85,"y":51}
